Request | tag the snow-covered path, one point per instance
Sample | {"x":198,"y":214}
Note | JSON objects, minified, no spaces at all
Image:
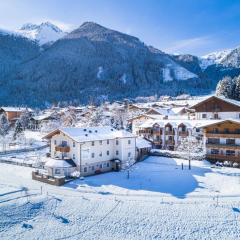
{"x":159,"y":201}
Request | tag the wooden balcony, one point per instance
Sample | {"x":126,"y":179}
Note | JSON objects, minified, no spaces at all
{"x":224,"y":146}
{"x":223,"y":135}
{"x":219,"y":157}
{"x":169,"y":132}
{"x":170,"y":142}
{"x":183,"y":134}
{"x":62,"y":149}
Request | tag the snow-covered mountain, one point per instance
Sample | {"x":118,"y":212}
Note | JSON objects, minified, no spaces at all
{"x":42,"y":33}
{"x":214,"y":58}
{"x":93,"y":60}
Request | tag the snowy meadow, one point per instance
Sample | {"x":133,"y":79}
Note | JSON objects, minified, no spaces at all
{"x":158,"y":201}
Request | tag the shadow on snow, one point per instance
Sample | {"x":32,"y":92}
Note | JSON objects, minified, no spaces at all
{"x":155,"y":174}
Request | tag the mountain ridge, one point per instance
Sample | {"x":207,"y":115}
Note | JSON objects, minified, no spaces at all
{"x":93,"y":60}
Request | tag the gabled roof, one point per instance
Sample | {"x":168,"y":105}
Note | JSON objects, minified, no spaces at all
{"x":230,"y":101}
{"x":212,"y":123}
{"x":60,"y":163}
{"x":91,"y":133}
{"x":15,"y":109}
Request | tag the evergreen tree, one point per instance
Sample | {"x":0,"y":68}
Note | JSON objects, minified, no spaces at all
{"x":225,"y":87}
{"x":18,"y":131}
{"x":4,"y":125}
{"x":237,"y":88}
{"x":25,"y":119}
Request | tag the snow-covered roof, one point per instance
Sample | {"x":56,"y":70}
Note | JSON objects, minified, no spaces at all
{"x":142,"y":143}
{"x":16,"y":109}
{"x":231,"y":101}
{"x":176,"y":123}
{"x":213,"y":122}
{"x":60,"y":163}
{"x":42,"y":116}
{"x":91,"y":133}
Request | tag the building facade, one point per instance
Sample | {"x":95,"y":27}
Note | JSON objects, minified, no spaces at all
{"x":222,"y":141}
{"x":166,"y":134}
{"x":93,"y":150}
{"x":214,"y":108}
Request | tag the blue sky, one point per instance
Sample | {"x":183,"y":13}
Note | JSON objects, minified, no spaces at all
{"x":175,"y":26}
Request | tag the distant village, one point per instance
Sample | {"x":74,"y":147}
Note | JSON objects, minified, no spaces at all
{"x":88,"y":140}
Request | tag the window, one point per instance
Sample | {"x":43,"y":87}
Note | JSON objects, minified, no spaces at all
{"x":238,"y":131}
{"x":73,"y":144}
{"x":107,"y":141}
{"x":108,"y":165}
{"x":64,"y":143}
{"x":129,"y":141}
{"x":215,"y":116}
{"x":230,"y":153}
{"x":100,"y":166}
{"x":213,"y":141}
{"x":85,"y":169}
{"x":100,"y":142}
{"x":117,"y":142}
{"x":129,"y":154}
{"x":107,"y":152}
{"x":215,"y":130}
{"x":73,"y":156}
{"x":214,"y":151}
{"x":57,"y":171}
{"x":100,"y":154}
{"x":92,"y":143}
{"x":55,"y":142}
{"x":93,"y":155}
{"x":230,"y":141}
{"x":226,"y":130}
{"x":92,"y":168}
{"x":117,"y":152}
{"x":204,"y":115}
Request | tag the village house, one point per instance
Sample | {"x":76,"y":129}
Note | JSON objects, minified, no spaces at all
{"x":89,"y":150}
{"x":217,"y":108}
{"x":222,"y":140}
{"x":167,"y":134}
{"x":13,"y":113}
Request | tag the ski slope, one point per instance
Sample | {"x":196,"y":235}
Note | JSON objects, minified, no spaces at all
{"x":158,"y":201}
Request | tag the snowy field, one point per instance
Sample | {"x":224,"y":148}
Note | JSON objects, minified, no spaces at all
{"x":159,"y":201}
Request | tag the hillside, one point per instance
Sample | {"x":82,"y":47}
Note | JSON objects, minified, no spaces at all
{"x":94,"y":62}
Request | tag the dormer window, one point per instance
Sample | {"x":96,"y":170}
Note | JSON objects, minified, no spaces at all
{"x":74,"y":144}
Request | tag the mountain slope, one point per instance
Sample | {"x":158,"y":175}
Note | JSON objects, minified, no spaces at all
{"x":96,"y":61}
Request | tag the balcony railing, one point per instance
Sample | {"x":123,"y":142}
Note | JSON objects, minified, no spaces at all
{"x":223,"y":134}
{"x":222,"y":157}
{"x":183,"y":134}
{"x":62,"y":148}
{"x":219,"y":145}
{"x":171,"y":132}
{"x":170,"y":142}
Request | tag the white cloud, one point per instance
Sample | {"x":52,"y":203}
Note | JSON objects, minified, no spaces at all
{"x":189,"y":45}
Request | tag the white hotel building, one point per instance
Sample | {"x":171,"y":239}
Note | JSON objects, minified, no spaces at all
{"x":91,"y":150}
